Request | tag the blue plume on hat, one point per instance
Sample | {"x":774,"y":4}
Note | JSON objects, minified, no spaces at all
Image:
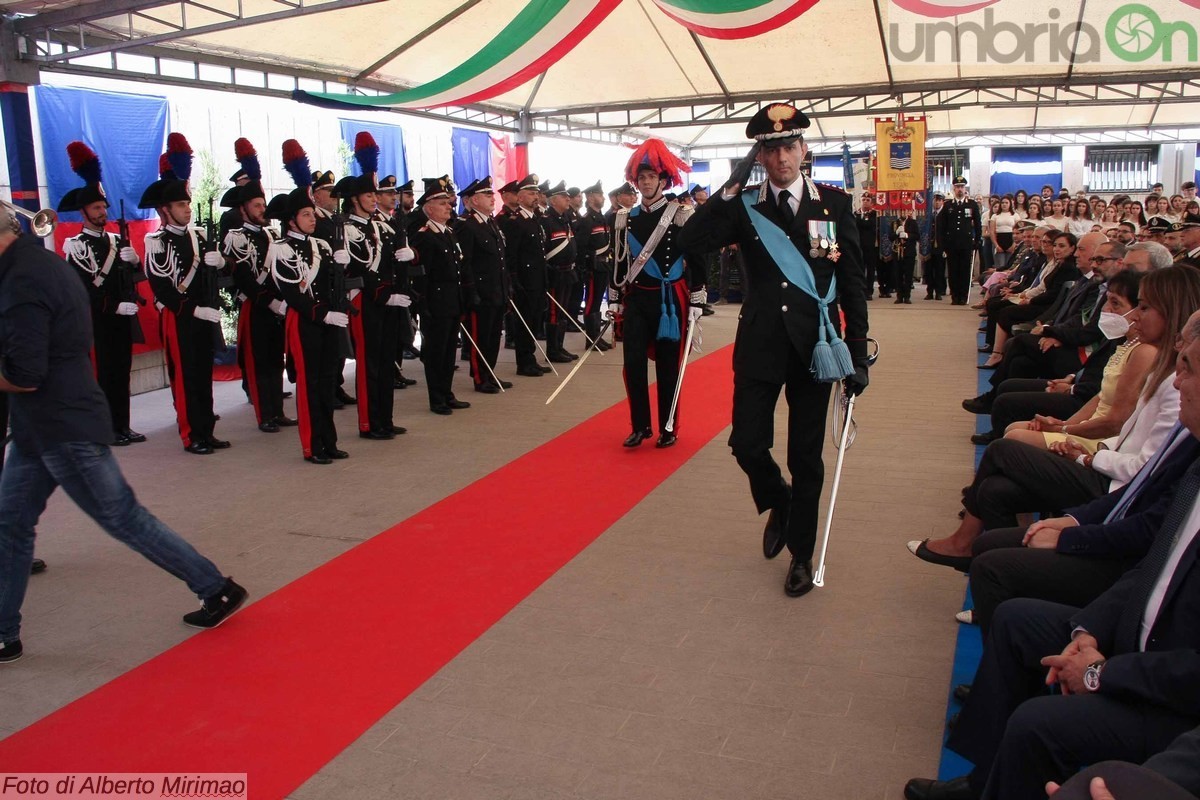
{"x":366,"y":153}
{"x":295,"y":161}
{"x":179,"y":155}
{"x":247,"y":156}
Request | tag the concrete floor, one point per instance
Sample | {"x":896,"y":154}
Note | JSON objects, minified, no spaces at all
{"x":662,"y":662}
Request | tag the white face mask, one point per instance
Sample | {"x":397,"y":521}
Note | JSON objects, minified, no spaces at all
{"x":1113,"y":326}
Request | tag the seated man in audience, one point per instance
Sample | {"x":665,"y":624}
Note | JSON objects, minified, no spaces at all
{"x":1173,"y":774}
{"x":1145,"y":256}
{"x":1055,"y":349}
{"x":1127,"y":666}
{"x":1021,"y":268}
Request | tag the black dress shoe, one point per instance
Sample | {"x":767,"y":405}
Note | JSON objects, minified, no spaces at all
{"x":962,"y":692}
{"x":269,"y":427}
{"x":603,"y":346}
{"x":199,"y":448}
{"x":37,"y":567}
{"x":506,"y":384}
{"x":338,"y":404}
{"x":409,"y":381}
{"x":379,"y":436}
{"x":397,"y":430}
{"x":921,"y":550}
{"x":937,"y":297}
{"x":318,"y":459}
{"x":799,"y":579}
{"x":529,"y":372}
{"x":120,"y":440}
{"x":399,"y":384}
{"x":928,"y":296}
{"x":344,"y":398}
{"x":544,"y":369}
{"x":337,"y":454}
{"x":984,"y":438}
{"x":133,"y":436}
{"x":444,"y":410}
{"x":666,"y":439}
{"x":559,"y":358}
{"x":637,"y":437}
{"x":487,"y":388}
{"x":286,"y":395}
{"x":926,"y":789}
{"x":456,"y":404}
{"x":218,"y":444}
{"x":775,"y":532}
{"x":286,"y":422}
{"x":898,"y":301}
{"x":568,"y":354}
{"x":978,"y":405}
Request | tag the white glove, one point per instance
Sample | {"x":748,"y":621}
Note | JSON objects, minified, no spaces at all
{"x":207,"y":314}
{"x":278,"y":306}
{"x":126,"y":309}
{"x":694,"y":313}
{"x":214,"y":259}
{"x":337,"y":318}
{"x":128,"y":255}
{"x":342,"y":257}
{"x":402,"y":300}
{"x":405,"y":254}
{"x":614,"y":310}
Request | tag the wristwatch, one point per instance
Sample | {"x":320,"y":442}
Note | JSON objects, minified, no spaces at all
{"x":1091,"y":676}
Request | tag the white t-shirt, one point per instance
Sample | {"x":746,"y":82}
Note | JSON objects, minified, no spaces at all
{"x":1004,"y":221}
{"x":1057,"y":224}
{"x":1080,"y":227}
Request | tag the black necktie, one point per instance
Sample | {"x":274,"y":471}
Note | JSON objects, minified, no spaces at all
{"x":785,"y":208}
{"x":1129,"y":629}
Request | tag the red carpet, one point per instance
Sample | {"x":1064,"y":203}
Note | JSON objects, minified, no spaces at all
{"x":300,"y":674}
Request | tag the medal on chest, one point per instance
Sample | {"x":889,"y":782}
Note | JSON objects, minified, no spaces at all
{"x":822,"y":240}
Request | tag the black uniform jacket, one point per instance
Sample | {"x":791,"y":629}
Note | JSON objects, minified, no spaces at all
{"x":482,"y":245}
{"x":525,"y":250}
{"x":438,"y":251}
{"x":778,"y":317}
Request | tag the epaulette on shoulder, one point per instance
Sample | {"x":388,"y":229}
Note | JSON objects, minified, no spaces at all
{"x":754,"y":187}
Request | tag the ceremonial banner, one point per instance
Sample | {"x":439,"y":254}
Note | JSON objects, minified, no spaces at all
{"x":900,"y":157}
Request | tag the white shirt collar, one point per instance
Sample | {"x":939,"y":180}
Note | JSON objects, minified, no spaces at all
{"x":251,"y":226}
{"x":796,"y":188}
{"x":437,"y":227}
{"x":655,"y":206}
{"x":481,"y":217}
{"x":526,"y":213}
{"x":357,"y":218}
{"x":91,"y":232}
{"x":297,"y":235}
{"x":178,"y":230}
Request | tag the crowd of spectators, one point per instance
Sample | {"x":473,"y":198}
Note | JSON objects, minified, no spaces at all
{"x":1080,"y":532}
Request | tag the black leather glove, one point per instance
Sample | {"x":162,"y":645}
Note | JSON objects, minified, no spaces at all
{"x":857,"y":383}
{"x":741,"y":171}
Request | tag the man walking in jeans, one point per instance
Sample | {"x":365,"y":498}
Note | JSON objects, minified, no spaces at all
{"x":60,"y":433}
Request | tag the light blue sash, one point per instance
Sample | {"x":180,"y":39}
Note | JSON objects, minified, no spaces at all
{"x":668,"y":323}
{"x":831,"y":358}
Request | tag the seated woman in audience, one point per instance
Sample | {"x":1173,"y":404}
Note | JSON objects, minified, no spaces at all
{"x":1021,"y":204}
{"x":1109,"y":219}
{"x":1016,"y":478}
{"x":1033,"y":212}
{"x":1124,"y":376}
{"x":1001,"y":232}
{"x":1151,"y":206}
{"x":1058,"y":218}
{"x":1029,"y":304}
{"x":1135,"y":215}
{"x":1074,"y":558}
{"x":1098,"y":206}
{"x":1191,"y":207}
{"x":1080,"y":223}
{"x":1177,"y":211}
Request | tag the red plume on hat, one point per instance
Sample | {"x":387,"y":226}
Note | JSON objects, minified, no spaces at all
{"x":295,"y":161}
{"x":179,"y":155}
{"x":164,"y":168}
{"x":366,"y":153}
{"x":655,"y":153}
{"x":84,"y":162}
{"x":247,"y":157}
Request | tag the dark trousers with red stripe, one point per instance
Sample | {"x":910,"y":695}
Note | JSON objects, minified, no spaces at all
{"x":439,"y":337}
{"x":112,"y":351}
{"x":643,"y":310}
{"x":189,"y":347}
{"x":315,"y":349}
{"x":562,"y":286}
{"x":485,"y":323}
{"x":260,"y":347}
{"x":375,"y":334}
{"x":594,"y":286}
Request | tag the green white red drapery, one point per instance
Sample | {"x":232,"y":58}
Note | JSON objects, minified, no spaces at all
{"x":546,"y":30}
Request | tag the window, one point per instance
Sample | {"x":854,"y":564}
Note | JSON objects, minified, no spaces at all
{"x":943,"y":166}
{"x":1121,"y":169}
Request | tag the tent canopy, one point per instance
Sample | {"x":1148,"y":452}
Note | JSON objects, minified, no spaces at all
{"x":639,"y":71}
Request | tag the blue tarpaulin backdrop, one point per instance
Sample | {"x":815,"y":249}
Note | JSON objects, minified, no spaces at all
{"x":472,"y":156}
{"x":390,"y":139}
{"x":127,"y":131}
{"x":1028,"y":168}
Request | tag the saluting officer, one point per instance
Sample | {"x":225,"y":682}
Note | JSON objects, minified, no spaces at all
{"x":525,"y":251}
{"x":109,"y":269}
{"x":560,"y":270}
{"x":960,"y":231}
{"x":312,"y":283}
{"x":439,"y":288}
{"x":656,"y":291}
{"x":906,"y":240}
{"x":799,"y":242}
{"x":482,"y":245}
